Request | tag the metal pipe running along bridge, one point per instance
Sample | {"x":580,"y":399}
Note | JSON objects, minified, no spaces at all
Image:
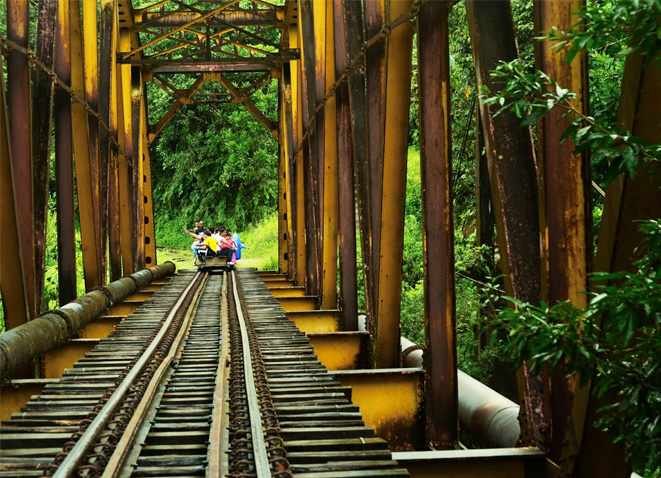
{"x":344,"y":75}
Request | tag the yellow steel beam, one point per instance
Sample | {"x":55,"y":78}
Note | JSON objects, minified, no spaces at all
{"x":291,"y":304}
{"x":100,"y":328}
{"x":316,"y":321}
{"x":137,"y":176}
{"x":330,"y":211}
{"x":341,"y":350}
{"x":287,"y":291}
{"x":82,"y":157}
{"x":398,"y":90}
{"x":91,"y":74}
{"x":287,"y":140}
{"x":14,"y":395}
{"x":65,"y":356}
{"x":125,"y":156}
{"x":283,"y":176}
{"x":148,"y":198}
{"x":114,"y":235}
{"x":301,"y":260}
{"x":14,"y":294}
{"x":391,"y":401}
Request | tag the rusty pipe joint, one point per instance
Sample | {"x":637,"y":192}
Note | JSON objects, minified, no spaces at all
{"x":22,"y":344}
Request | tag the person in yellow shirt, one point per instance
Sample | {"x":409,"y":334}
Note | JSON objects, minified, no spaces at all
{"x":209,"y":247}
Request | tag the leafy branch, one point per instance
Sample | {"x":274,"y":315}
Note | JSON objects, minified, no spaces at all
{"x":531,"y":96}
{"x":602,"y":24}
{"x":615,"y":341}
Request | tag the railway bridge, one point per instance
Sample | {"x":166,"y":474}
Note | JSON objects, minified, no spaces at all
{"x":157,"y":372}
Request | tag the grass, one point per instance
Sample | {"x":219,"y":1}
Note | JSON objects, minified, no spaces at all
{"x":261,"y":249}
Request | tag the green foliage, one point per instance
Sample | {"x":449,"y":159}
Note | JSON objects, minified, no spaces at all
{"x":261,"y":243}
{"x":213,"y":162}
{"x":615,"y":341}
{"x":633,"y":24}
{"x":531,"y":96}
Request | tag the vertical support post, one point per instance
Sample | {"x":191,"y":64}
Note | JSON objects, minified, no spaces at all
{"x":567,"y":194}
{"x":64,"y":160}
{"x":283,"y":177}
{"x":14,"y":293}
{"x":20,"y":129}
{"x":147,"y":193}
{"x":42,"y":101}
{"x":437,"y":225}
{"x":353,"y":38}
{"x":126,"y":157}
{"x":287,"y":139}
{"x":297,"y":130}
{"x":330,"y":210}
{"x":138,"y":177}
{"x":513,"y":178}
{"x":107,"y":150}
{"x":91,"y":74}
{"x":310,"y":150}
{"x":375,"y":77}
{"x":387,"y":351}
{"x":345,"y":186}
{"x":83,"y":160}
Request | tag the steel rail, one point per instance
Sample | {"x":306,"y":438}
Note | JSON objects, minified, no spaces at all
{"x":117,"y":462}
{"x":217,"y":466}
{"x":77,"y":454}
{"x":260,"y":454}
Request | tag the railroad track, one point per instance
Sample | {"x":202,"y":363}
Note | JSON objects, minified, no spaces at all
{"x":158,"y":397}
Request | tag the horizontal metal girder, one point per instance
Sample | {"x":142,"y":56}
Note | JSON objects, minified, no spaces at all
{"x":220,"y":65}
{"x":221,"y":19}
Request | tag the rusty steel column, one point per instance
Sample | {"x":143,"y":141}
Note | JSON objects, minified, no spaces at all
{"x":310,"y":151}
{"x":91,"y":75}
{"x":375,"y":77}
{"x":567,"y":194}
{"x":320,"y":33}
{"x":353,"y":38}
{"x":297,"y":176}
{"x":398,"y":90}
{"x":83,"y":159}
{"x":287,"y":138}
{"x":513,"y":178}
{"x":329,"y":191}
{"x":437,"y":225}
{"x":151,"y":258}
{"x":66,"y":247}
{"x":138,"y":176}
{"x":626,"y":203}
{"x":42,"y":101}
{"x":126,"y":156}
{"x":107,"y":150}
{"x":14,"y":294}
{"x":283,"y":255}
{"x":345,"y":187}
{"x":20,"y":136}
